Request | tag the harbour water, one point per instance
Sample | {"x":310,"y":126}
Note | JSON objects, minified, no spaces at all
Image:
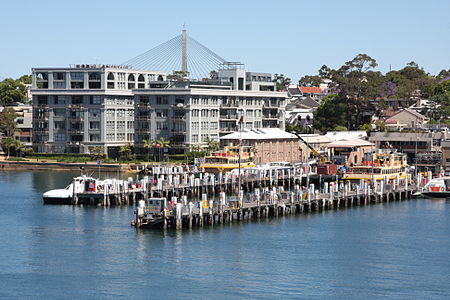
{"x":384,"y":251}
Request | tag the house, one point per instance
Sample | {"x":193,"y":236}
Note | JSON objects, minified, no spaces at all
{"x":406,"y":118}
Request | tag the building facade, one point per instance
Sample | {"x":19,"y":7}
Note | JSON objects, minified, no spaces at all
{"x":190,"y":115}
{"x":268,"y":144}
{"x":77,"y":108}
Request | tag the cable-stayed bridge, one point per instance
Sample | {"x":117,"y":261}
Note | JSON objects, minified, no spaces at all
{"x":181,"y":53}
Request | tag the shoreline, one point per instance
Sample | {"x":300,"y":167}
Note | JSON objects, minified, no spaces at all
{"x":60,"y":166}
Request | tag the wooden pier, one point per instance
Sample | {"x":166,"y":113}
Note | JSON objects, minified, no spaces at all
{"x":178,"y":213}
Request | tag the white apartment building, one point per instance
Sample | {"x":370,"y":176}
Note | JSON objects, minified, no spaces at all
{"x":83,"y":106}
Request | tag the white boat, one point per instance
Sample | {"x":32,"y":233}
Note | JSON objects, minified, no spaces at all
{"x":64,"y":196}
{"x":438,"y":188}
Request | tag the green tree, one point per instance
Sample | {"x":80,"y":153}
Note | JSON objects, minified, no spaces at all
{"x":281,"y":81}
{"x":8,"y":123}
{"x":98,"y":152}
{"x":211,"y":145}
{"x":178,"y":75}
{"x":148,"y":144}
{"x":325,"y":72}
{"x":441,"y":96}
{"x":332,"y":112}
{"x":161,"y":144}
{"x":25,"y":79}
{"x":125,"y":152}
{"x":12,"y":92}
{"x":308,"y":80}
{"x":11,"y":145}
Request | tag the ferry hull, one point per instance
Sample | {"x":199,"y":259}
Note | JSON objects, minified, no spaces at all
{"x":54,"y":200}
{"x":436,"y":195}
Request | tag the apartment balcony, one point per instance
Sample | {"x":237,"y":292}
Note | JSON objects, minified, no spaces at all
{"x":233,"y":104}
{"x":76,"y":131}
{"x":77,"y":105}
{"x":142,"y":118}
{"x":40,"y":130}
{"x":178,"y":131}
{"x":228,"y":117}
{"x":143,"y":105}
{"x":271,"y":116}
{"x":228,"y":129}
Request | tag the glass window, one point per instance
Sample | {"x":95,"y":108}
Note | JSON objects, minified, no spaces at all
{"x":110,"y":76}
{"x":77,"y":76}
{"x":94,"y":113}
{"x":59,"y":76}
{"x":95,"y":100}
{"x":59,"y":85}
{"x":94,"y":125}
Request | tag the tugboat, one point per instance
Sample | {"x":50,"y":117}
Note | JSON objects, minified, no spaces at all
{"x":232,"y":157}
{"x":437,"y":188}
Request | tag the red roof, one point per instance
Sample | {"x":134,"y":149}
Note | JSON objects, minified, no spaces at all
{"x":310,"y":90}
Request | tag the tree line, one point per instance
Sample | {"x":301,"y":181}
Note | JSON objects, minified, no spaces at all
{"x":356,"y":92}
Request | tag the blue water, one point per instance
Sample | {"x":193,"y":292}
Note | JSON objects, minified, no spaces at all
{"x":390,"y":251}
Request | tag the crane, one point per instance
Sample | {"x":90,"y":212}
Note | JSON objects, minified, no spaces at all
{"x":322,"y":158}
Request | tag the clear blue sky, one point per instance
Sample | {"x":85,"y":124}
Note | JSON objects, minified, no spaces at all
{"x":290,"y":37}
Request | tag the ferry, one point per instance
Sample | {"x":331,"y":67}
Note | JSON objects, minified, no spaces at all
{"x":437,"y":188}
{"x":232,"y":157}
{"x":386,"y":164}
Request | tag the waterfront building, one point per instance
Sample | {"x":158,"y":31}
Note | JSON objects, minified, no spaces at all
{"x":77,"y":108}
{"x":446,"y":157}
{"x":24,"y":122}
{"x":268,"y":144}
{"x":406,"y":118}
{"x":349,"y":151}
{"x":190,"y":112}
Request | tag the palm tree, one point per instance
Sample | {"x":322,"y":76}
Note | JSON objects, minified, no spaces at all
{"x":211,"y":145}
{"x":162,"y":143}
{"x":148,"y":144}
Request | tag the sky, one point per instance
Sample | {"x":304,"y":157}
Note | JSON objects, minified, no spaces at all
{"x":294,"y":38}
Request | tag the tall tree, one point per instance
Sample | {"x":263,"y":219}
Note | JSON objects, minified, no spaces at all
{"x":25,"y":79}
{"x":12,"y":92}
{"x":308,"y":80}
{"x":211,"y":145}
{"x":332,"y":112}
{"x":281,"y":81}
{"x":8,"y":123}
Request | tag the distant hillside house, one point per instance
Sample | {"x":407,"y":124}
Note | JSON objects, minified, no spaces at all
{"x":406,"y":118}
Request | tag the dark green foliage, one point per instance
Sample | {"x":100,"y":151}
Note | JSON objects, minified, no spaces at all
{"x":333,"y":112}
{"x":12,"y":92}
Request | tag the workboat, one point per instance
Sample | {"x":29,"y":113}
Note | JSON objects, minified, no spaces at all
{"x":386,"y":164}
{"x":232,"y":157}
{"x":437,"y":188}
{"x":64,"y":196}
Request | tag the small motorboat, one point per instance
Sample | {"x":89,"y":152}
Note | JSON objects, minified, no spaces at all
{"x":437,"y":188}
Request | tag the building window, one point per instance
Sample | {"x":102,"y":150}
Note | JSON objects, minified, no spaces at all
{"x":110,"y":85}
{"x":77,"y":85}
{"x":42,"y":99}
{"x":60,"y":99}
{"x":121,"y":125}
{"x":130,"y":137}
{"x":59,"y":137}
{"x":77,"y":99}
{"x":195,"y":113}
{"x":195,"y":138}
{"x":214,"y":125}
{"x":204,"y":125}
{"x":161,"y":113}
{"x":121,"y":136}
{"x":121,"y":113}
{"x":95,"y":100}
{"x":110,"y":76}
{"x":130,"y":125}
{"x":162,"y":100}
{"x":94,"y":125}
{"x":94,"y":137}
{"x":204,"y":112}
{"x":194,"y":125}
{"x":161,"y":125}
{"x":110,"y":125}
{"x":110,"y":113}
{"x":110,"y":137}
{"x":130,"y":112}
{"x":60,"y":125}
{"x":59,"y":85}
{"x":204,"y":137}
{"x":59,"y":112}
{"x":94,"y":113}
